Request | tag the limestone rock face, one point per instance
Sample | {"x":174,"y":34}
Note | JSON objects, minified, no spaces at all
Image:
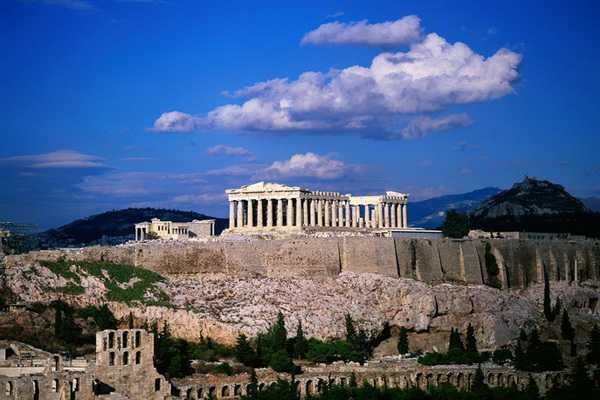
{"x":222,"y":306}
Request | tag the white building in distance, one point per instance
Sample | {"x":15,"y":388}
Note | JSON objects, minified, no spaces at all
{"x":168,"y":230}
{"x":263,"y":207}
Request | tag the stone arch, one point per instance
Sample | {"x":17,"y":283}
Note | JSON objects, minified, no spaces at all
{"x":490,"y":379}
{"x":199,"y":392}
{"x":501,"y":380}
{"x":342,"y":381}
{"x":470,"y":378}
{"x":320,"y":385}
{"x":549,"y":381}
{"x":429,"y":380}
{"x":8,"y":388}
{"x":309,"y":387}
{"x":420,"y":381}
{"x":237,"y":390}
{"x":460,"y":380}
{"x":225,"y":391}
{"x":188,"y":394}
{"x":451,"y":379}
{"x":261,"y":386}
{"x":440,"y":380}
{"x":212,"y":391}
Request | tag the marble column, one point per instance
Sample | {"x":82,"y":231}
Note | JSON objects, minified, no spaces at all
{"x":250,"y":216}
{"x":279,"y":212}
{"x":399,"y":215}
{"x":367,"y":215}
{"x":334,"y":207}
{"x":348,"y":220}
{"x":289,"y":220}
{"x":404,"y":216}
{"x":304,"y":203}
{"x":319,"y":207}
{"x":327,"y":210}
{"x":393,"y":223}
{"x":379,"y":216}
{"x":259,"y":213}
{"x":355,"y":216}
{"x":240,"y":214}
{"x":270,"y":213}
{"x":386,"y":215}
{"x":231,"y":217}
{"x":298,"y":221}
{"x":313,"y":211}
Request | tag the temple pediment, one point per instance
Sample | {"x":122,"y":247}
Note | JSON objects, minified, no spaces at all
{"x":264,"y":187}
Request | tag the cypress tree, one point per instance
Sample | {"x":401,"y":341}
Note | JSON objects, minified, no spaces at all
{"x":557,"y":306}
{"x":252,"y":391}
{"x":300,"y":343}
{"x":279,"y":334}
{"x":243,"y":351}
{"x":403,"y":341}
{"x":566,"y":329}
{"x":350,"y":330}
{"x":520,"y":363}
{"x":471,"y":341}
{"x":479,"y":385}
{"x":547,"y":306}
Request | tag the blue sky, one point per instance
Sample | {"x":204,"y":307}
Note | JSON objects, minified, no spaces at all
{"x":109,"y":104}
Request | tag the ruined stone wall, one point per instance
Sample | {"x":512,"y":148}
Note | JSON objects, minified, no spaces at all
{"x":400,"y":375}
{"x":520,"y":263}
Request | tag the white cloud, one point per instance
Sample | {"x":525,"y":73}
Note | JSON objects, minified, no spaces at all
{"x":307,"y":165}
{"x":424,"y":125}
{"x":223,"y":149}
{"x":402,"y":31}
{"x":431,"y":76}
{"x":123,"y":184}
{"x":235,"y":170}
{"x":202,"y":198}
{"x":57,"y":159}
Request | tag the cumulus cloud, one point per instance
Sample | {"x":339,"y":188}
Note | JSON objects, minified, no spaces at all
{"x":307,"y":165}
{"x":390,"y":33}
{"x":56,"y":159}
{"x":432,"y":75}
{"x":225,"y":150}
{"x":424,"y":125}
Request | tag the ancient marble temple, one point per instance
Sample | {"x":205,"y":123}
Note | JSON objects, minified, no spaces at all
{"x":265,"y":207}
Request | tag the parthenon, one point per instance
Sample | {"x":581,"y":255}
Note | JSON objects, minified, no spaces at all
{"x":271,"y":206}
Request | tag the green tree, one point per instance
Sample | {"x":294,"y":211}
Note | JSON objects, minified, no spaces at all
{"x":566,"y":329}
{"x":456,"y":225}
{"x":548,"y":312}
{"x":403,"y":341}
{"x":350,"y":329}
{"x":243,"y":351}
{"x":281,"y":362}
{"x":593,"y":356}
{"x":278,"y":333}
{"x":471,"y":340}
{"x":479,"y":385}
{"x":105,"y":319}
{"x":300,"y":342}
{"x":455,"y":343}
{"x":520,"y":361}
{"x":252,"y":390}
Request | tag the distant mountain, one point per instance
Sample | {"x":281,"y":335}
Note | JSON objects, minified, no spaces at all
{"x":114,"y":226}
{"x":536,"y":206}
{"x":431,"y":213}
{"x":529,"y":198}
{"x":592,"y":203}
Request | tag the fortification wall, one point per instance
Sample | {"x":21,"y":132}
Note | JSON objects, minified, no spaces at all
{"x":520,"y":263}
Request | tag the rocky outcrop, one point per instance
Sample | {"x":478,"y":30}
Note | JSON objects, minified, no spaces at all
{"x":221,"y":306}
